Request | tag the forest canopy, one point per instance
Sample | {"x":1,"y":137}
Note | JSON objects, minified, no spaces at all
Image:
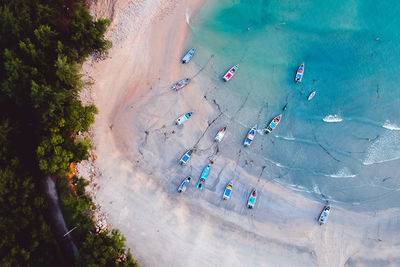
{"x":42,"y":46}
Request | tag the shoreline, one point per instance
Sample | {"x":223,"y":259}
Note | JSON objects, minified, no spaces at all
{"x":140,"y":199}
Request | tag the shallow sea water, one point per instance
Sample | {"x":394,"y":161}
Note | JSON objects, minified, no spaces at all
{"x":343,"y":145}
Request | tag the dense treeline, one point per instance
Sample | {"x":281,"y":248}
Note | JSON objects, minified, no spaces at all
{"x":42,"y":45}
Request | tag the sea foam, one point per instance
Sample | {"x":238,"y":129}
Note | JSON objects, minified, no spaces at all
{"x":332,"y":118}
{"x":385,"y":148}
{"x":342,"y":173}
{"x":390,"y":126}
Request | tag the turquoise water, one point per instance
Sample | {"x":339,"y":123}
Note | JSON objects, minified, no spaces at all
{"x":352,"y":59}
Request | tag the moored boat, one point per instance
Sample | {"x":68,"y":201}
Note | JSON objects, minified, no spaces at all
{"x":182,"y":187}
{"x":311,"y":96}
{"x":231,"y":73}
{"x":250,"y":136}
{"x":252,"y":199}
{"x":188,"y":56}
{"x":179,"y":85}
{"x":272,"y":125}
{"x":323,"y":217}
{"x":228,"y":191}
{"x":299,"y":73}
{"x":203,"y":177}
{"x":220,"y":135}
{"x":186,"y":157}
{"x":183,"y":118}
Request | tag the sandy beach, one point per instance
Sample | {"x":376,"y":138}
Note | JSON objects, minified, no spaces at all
{"x":137,"y":147}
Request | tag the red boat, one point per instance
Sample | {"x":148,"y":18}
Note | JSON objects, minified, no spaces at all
{"x":231,"y":73}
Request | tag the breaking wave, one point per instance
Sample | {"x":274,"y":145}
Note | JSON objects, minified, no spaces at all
{"x":385,"y":148}
{"x":188,"y":16}
{"x":342,"y":173}
{"x":332,"y":118}
{"x":390,"y":126}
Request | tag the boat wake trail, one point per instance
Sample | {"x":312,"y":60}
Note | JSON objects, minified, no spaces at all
{"x":332,"y":118}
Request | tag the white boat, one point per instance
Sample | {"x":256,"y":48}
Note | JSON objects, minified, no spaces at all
{"x":250,"y":136}
{"x":272,"y":125}
{"x":183,"y":118}
{"x":299,"y":73}
{"x":182,"y":83}
{"x":188,"y":56}
{"x":220,"y":135}
{"x":323,"y":217}
{"x":231,"y":73}
{"x":311,"y":96}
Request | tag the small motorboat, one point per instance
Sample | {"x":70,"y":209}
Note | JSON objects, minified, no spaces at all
{"x":272,"y":125}
{"x":228,"y":191}
{"x":182,"y":187}
{"x":231,"y":73}
{"x":311,"y":95}
{"x":284,"y":108}
{"x":323,"y":217}
{"x":203,"y":177}
{"x":186,"y":157}
{"x":250,"y":136}
{"x":252,"y":199}
{"x":220,"y":135}
{"x":188,"y":56}
{"x":179,"y":85}
{"x":183,"y":118}
{"x":299,"y":73}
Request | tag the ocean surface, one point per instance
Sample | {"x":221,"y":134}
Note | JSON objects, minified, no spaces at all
{"x":343,"y":146}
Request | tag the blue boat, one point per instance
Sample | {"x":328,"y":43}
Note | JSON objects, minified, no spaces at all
{"x":272,"y":125}
{"x":228,"y":191}
{"x":299,"y":73}
{"x":203,"y":177}
{"x":323,"y":217}
{"x":182,"y":187}
{"x":186,"y":157}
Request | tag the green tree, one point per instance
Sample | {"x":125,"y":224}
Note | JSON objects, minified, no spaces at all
{"x":110,"y":250}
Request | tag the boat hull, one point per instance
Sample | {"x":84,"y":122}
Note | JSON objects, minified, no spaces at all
{"x":250,"y":136}
{"x":188,"y":56}
{"x":299,"y":74}
{"x":231,"y":72}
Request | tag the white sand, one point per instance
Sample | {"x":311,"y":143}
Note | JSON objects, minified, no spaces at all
{"x":140,"y":172}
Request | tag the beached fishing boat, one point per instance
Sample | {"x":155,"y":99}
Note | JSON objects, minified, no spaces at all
{"x":183,"y":118}
{"x":323,"y":217}
{"x":186,"y":157}
{"x":179,"y":85}
{"x":188,"y":56}
{"x":220,"y":135}
{"x":231,"y":73}
{"x":250,"y":136}
{"x":203,"y":177}
{"x":272,"y":125}
{"x":299,"y":73}
{"x":252,"y":199}
{"x":228,"y":191}
{"x":311,"y":96}
{"x":182,"y":187}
